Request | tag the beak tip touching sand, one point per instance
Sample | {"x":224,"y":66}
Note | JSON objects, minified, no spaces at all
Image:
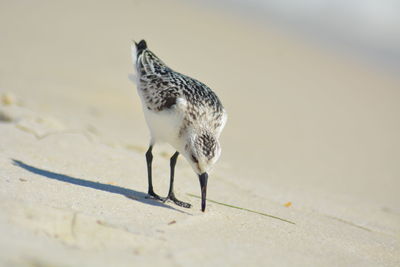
{"x":203,"y":185}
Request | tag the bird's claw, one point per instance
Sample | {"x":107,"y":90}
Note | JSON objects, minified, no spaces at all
{"x":177,"y":201}
{"x":152,"y":195}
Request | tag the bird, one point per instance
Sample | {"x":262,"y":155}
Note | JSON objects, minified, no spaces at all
{"x":181,"y":111}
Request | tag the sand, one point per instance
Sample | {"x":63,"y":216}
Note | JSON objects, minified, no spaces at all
{"x":311,"y":144}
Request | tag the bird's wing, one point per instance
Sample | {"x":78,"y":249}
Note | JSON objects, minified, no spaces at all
{"x":160,"y":93}
{"x":164,"y":89}
{"x":220,"y":124}
{"x":155,"y":80}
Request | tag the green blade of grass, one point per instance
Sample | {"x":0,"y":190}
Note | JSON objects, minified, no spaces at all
{"x":239,"y":208}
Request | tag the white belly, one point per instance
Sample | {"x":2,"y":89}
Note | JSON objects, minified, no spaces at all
{"x":164,"y":126}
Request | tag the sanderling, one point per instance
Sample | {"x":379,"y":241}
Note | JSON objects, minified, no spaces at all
{"x":181,"y":111}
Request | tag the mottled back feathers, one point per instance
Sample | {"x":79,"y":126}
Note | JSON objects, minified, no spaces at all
{"x":161,"y":88}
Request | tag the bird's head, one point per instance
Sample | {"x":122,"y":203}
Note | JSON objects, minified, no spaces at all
{"x":202,"y":151}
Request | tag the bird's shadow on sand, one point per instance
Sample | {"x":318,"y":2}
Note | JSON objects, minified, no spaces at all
{"x":129,"y":193}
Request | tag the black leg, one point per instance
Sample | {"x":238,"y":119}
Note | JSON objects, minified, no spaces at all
{"x":171,"y":194}
{"x":172,"y":164}
{"x":149,"y":160}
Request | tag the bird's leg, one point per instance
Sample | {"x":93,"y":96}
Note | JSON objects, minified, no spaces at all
{"x":171,"y":194}
{"x":149,"y":160}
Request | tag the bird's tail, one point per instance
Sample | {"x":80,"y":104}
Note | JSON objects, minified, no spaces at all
{"x":145,"y":61}
{"x":140,"y":47}
{"x":137,"y":49}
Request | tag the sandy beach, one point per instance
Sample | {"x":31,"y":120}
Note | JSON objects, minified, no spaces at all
{"x":310,"y":154}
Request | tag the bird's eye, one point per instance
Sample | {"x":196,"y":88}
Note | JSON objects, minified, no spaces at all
{"x":194,"y":159}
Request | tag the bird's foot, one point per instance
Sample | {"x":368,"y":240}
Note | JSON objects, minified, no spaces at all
{"x":172,"y":197}
{"x":152,"y":195}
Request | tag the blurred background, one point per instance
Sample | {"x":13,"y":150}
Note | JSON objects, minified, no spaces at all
{"x":311,"y":87}
{"x":369,"y":30}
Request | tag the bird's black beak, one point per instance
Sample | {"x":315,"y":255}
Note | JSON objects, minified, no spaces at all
{"x":203,"y":185}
